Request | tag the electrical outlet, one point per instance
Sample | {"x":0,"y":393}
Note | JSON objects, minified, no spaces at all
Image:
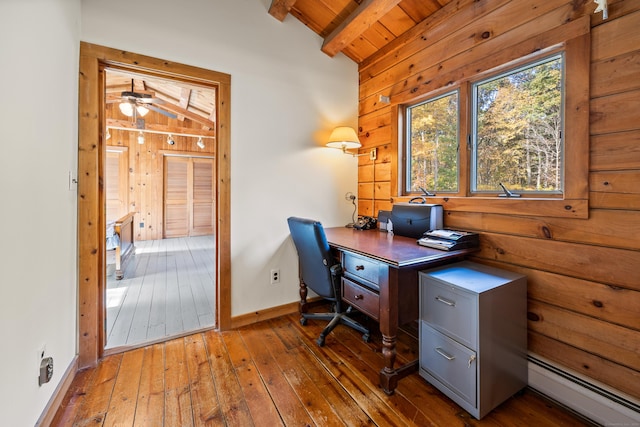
{"x":45,"y":365}
{"x":275,"y":276}
{"x":46,"y":370}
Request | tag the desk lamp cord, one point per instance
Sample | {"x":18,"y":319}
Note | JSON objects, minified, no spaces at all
{"x":352,"y":197}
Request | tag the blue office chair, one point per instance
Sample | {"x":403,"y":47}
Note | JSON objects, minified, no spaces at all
{"x":321,"y":272}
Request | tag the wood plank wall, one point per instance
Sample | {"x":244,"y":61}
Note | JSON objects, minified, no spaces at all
{"x":145,"y":163}
{"x":583,"y":277}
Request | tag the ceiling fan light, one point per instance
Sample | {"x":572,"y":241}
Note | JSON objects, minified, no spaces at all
{"x":142,"y":111}
{"x":126,"y":108}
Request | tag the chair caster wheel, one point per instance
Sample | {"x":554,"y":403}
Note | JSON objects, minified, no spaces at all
{"x":366,"y":338}
{"x":303,"y":321}
{"x":320,"y":342}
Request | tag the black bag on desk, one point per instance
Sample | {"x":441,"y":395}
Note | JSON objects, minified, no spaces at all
{"x":413,"y":219}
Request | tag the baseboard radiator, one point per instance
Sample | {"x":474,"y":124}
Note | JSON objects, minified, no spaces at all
{"x":596,"y":402}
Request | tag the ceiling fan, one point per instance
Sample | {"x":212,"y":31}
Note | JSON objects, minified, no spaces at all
{"x":138,"y":104}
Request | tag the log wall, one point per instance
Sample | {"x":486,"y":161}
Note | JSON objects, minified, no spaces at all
{"x":583,"y":278}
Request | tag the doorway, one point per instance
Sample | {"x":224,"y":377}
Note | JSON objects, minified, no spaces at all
{"x":92,"y":164}
{"x":160,"y":173}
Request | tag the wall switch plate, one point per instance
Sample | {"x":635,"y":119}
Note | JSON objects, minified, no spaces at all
{"x":73,"y":181}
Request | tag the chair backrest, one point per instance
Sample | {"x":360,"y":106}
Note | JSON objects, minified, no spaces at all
{"x":314,"y":254}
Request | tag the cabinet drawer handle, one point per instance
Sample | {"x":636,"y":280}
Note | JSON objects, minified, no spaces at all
{"x":357,"y":297}
{"x":442,"y":353}
{"x":359,"y":267}
{"x":471,"y":359}
{"x":446,"y":301}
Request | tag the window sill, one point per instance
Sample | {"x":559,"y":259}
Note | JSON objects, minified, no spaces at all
{"x":556,"y":208}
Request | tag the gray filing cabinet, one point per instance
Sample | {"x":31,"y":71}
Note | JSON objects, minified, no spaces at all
{"x":473,"y":334}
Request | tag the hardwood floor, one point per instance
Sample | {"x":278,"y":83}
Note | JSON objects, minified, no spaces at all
{"x":168,"y":289}
{"x":272,"y":373}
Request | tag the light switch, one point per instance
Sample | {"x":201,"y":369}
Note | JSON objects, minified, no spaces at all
{"x":73,"y":181}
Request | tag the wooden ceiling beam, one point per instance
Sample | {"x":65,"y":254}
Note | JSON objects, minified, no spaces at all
{"x":162,"y":129}
{"x":139,"y":86}
{"x":279,"y":9}
{"x":185,"y":94}
{"x":367,"y":14}
{"x":172,"y":108}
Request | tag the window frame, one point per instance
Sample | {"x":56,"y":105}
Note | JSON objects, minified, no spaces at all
{"x":407,"y":135}
{"x":473,"y":134}
{"x":574,"y":202}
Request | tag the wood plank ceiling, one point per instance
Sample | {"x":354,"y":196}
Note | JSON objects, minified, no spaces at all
{"x":357,"y":28}
{"x":191,"y":107}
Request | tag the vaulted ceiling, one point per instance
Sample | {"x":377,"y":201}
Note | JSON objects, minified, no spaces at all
{"x":357,"y":28}
{"x":180,"y":108}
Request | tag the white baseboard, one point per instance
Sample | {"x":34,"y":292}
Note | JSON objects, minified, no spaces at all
{"x":596,"y":402}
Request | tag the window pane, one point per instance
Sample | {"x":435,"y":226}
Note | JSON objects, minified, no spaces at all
{"x":518,"y":130}
{"x":432,"y":138}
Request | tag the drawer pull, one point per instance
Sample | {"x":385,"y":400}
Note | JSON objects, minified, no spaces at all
{"x":442,"y":353}
{"x":471,"y":359}
{"x":446,"y":301}
{"x":357,"y":297}
{"x":359,"y":267}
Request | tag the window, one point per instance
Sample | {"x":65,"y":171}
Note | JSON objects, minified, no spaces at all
{"x":432,"y":138}
{"x":545,"y":157}
{"x":517,"y":130}
{"x":514,"y":135}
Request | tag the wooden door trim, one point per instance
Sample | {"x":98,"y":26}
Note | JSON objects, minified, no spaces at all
{"x":91,"y":198}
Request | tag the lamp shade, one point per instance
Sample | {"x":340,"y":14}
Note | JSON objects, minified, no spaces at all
{"x":344,"y":137}
{"x":126,"y":108}
{"x":142,"y":110}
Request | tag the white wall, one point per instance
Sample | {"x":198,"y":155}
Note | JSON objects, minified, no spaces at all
{"x":286,"y":95}
{"x":39,"y":41}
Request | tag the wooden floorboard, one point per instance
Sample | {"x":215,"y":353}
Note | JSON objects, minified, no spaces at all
{"x":168,"y":289}
{"x":272,"y":373}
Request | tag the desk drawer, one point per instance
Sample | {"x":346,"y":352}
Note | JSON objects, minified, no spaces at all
{"x":361,"y":298}
{"x":449,"y":309}
{"x":449,"y":362}
{"x":362,"y":268}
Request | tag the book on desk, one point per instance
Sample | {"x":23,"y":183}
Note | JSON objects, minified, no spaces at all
{"x":449,"y":240}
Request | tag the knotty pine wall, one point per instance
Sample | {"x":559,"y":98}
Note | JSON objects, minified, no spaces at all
{"x":583,"y":276}
{"x":146,"y":169}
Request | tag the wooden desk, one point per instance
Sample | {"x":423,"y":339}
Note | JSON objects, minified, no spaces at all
{"x":395,"y":261}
